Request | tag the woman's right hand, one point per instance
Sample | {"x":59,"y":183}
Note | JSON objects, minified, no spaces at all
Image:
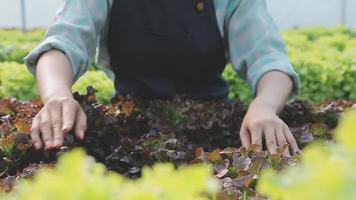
{"x":58,"y":116}
{"x":61,"y":112}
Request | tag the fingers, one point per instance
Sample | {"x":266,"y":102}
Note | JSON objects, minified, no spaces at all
{"x":281,"y":140}
{"x":35,"y":133}
{"x":245,"y":137}
{"x":56,"y":124}
{"x":256,"y":136}
{"x":290,"y":139}
{"x":69,"y":111}
{"x":56,"y":119}
{"x":46,"y":129}
{"x":271,"y":142}
{"x":81,"y":124}
{"x":266,"y":124}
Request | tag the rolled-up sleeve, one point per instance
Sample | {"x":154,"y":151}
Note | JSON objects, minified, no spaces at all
{"x":74,"y":31}
{"x":255,"y":45}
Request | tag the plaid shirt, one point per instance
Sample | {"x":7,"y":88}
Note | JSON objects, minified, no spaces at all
{"x":253,"y":44}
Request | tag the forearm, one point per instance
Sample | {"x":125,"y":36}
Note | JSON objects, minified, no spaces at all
{"x":274,"y":89}
{"x":54,"y":75}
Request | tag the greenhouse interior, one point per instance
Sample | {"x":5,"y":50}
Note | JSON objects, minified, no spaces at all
{"x":177,"y":99}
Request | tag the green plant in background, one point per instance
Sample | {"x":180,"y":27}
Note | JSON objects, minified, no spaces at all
{"x":324,"y":59}
{"x":78,"y":177}
{"x":16,"y":81}
{"x":99,"y":81}
{"x":238,"y":88}
{"x":327,"y":171}
{"x":14,"y":45}
{"x":11,"y":36}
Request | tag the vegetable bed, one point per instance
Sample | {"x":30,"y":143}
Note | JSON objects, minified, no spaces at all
{"x":131,"y":133}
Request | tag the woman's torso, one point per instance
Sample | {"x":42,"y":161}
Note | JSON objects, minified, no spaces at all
{"x":161,"y":48}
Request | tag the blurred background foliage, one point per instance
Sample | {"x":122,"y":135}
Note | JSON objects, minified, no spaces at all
{"x":325,"y":59}
{"x":326,"y":171}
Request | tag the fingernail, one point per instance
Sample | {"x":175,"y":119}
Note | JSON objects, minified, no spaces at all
{"x":81,"y":135}
{"x":58,"y":143}
{"x":65,"y":129}
{"x":37,"y":146}
{"x":55,"y":144}
{"x":48,"y":145}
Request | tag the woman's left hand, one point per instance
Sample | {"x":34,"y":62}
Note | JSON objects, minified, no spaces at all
{"x":261,"y":121}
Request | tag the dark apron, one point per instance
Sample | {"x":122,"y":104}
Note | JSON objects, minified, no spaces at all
{"x":161,"y":48}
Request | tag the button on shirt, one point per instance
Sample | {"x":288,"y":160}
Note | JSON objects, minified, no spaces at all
{"x":253,"y":43}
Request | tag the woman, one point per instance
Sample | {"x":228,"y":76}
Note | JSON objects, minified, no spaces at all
{"x":159,"y":48}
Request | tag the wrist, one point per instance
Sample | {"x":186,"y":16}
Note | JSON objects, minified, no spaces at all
{"x":261,"y":103}
{"x":56,"y":94}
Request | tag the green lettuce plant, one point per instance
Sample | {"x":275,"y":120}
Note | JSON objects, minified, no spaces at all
{"x":17,"y":81}
{"x":327,"y":171}
{"x":78,"y":176}
{"x":99,"y":81}
{"x":14,"y":44}
{"x":324,"y":58}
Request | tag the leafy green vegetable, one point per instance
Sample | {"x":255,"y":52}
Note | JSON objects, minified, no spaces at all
{"x":132,"y":132}
{"x":100,"y":81}
{"x":324,"y":59}
{"x":77,"y":176}
{"x":16,"y":81}
{"x":14,"y":45}
{"x":327,"y":171}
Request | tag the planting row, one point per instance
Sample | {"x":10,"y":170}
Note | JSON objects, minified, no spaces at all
{"x":131,"y":133}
